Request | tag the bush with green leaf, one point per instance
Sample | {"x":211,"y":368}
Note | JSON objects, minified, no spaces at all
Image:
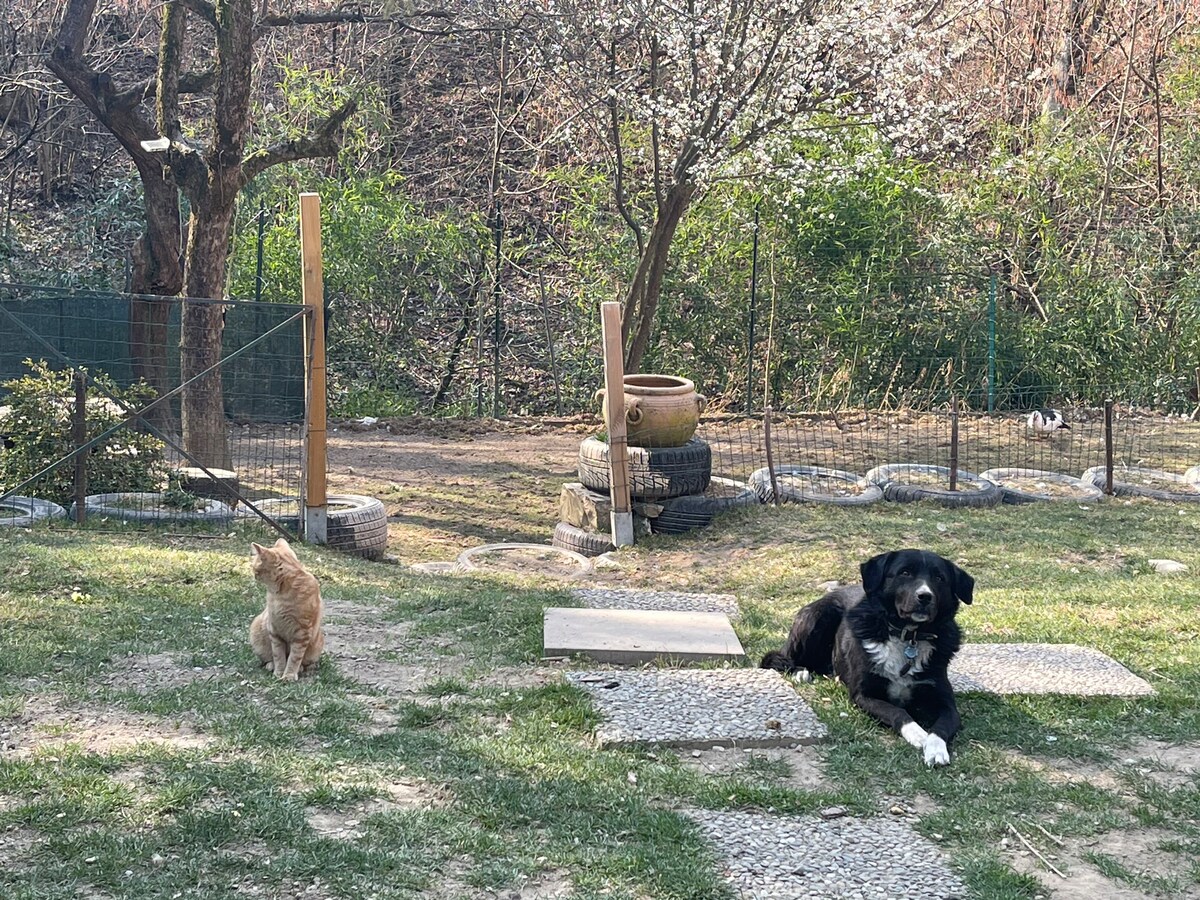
{"x":37,"y":430}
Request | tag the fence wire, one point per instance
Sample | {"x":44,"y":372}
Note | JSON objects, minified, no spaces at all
{"x":90,"y":413}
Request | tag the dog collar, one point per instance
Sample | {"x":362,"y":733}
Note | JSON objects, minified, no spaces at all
{"x":910,"y":634}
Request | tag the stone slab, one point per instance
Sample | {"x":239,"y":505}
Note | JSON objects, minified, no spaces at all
{"x":770,"y":857}
{"x":672,"y":601}
{"x":697,"y":709}
{"x":626,"y":636}
{"x":1043,"y":669}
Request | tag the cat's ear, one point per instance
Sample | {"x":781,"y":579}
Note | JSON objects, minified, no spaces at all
{"x":256,"y":549}
{"x":282,"y":544}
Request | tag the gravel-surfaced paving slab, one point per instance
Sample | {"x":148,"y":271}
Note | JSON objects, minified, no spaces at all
{"x":696,"y":709}
{"x":769,"y":857}
{"x":673,"y":601}
{"x":1043,"y":669}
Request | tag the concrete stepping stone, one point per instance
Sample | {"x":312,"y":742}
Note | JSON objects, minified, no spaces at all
{"x":1043,"y":669}
{"x":626,"y":636}
{"x":770,"y":857}
{"x":674,"y":601}
{"x":697,"y":709}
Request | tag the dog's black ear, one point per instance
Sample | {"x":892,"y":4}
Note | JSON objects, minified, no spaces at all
{"x":872,"y":572}
{"x":964,"y":584}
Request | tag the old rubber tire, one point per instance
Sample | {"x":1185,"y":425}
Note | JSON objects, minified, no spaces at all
{"x":585,"y":543}
{"x":760,"y":481}
{"x":286,"y":513}
{"x":655,"y":473}
{"x":1081,"y":491}
{"x":983,"y":493}
{"x":356,"y":525}
{"x":25,"y":511}
{"x":1189,"y":491}
{"x":214,"y":513}
{"x":680,"y":514}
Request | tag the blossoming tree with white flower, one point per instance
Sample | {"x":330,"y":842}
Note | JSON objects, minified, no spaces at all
{"x":686,"y":93}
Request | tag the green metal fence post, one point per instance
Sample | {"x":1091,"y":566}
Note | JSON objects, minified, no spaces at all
{"x":991,"y":403}
{"x":753,"y":317}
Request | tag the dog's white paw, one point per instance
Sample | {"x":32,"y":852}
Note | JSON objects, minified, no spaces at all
{"x":914,"y":734}
{"x":936,"y":751}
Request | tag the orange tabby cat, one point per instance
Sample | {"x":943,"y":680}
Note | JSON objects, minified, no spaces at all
{"x":287,"y":634}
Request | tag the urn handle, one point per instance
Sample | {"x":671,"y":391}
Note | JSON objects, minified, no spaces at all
{"x":701,"y":403}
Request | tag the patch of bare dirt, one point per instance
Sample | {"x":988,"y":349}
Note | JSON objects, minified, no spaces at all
{"x":375,"y":652}
{"x":160,"y":672}
{"x":1072,"y":771}
{"x":1171,"y":765}
{"x":451,"y":885}
{"x":17,"y":845}
{"x":46,"y":723}
{"x":1138,"y":851}
{"x":349,"y":824}
{"x":805,"y":769}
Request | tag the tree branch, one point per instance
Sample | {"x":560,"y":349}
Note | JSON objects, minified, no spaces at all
{"x":342,"y":17}
{"x":322,"y":142}
{"x":97,"y":90}
{"x":203,"y":9}
{"x":189,"y":83}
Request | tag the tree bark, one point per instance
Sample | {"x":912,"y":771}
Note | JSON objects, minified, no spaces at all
{"x":157,"y":272}
{"x":204,"y":427}
{"x":641,"y":302}
{"x":156,"y":267}
{"x":1072,"y":59}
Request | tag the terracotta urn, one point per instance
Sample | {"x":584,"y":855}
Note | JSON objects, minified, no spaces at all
{"x":660,"y":410}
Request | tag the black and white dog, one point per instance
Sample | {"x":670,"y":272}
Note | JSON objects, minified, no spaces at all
{"x":890,"y":642}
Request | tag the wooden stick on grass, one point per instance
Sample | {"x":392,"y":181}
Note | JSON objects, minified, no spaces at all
{"x":1034,"y":851}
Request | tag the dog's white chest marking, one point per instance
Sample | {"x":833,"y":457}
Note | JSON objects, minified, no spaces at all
{"x":889,"y":660}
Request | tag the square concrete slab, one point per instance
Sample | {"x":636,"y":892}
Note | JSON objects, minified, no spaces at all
{"x":677,"y":601}
{"x":696,"y":709}
{"x":625,"y":636}
{"x":1043,"y":669}
{"x":806,"y":858}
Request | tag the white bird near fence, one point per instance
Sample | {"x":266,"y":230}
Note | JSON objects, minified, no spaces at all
{"x":1046,"y":421}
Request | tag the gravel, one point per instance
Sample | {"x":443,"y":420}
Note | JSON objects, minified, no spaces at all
{"x":770,"y":857}
{"x":699,"y":709}
{"x":671,"y":601}
{"x":1043,"y":669}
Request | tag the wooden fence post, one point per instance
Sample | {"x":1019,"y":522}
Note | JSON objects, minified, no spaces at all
{"x":314,"y":363}
{"x":614,"y":421}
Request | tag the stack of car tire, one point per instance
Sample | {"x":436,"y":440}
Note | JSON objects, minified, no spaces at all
{"x":672,"y":489}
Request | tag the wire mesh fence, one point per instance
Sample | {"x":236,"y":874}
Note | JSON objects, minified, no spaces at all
{"x":860,"y":457}
{"x":91,"y":409}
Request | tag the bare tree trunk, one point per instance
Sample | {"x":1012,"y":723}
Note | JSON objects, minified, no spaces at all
{"x":157,"y":271}
{"x":1071,"y":61}
{"x":641,"y":302}
{"x":204,"y":425}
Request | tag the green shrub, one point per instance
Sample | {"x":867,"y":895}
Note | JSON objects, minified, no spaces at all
{"x":37,"y":430}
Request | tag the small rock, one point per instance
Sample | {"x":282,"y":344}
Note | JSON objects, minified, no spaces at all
{"x":832,"y":812}
{"x":774,"y":724}
{"x":1167,"y":566}
{"x":829,"y":586}
{"x":607,"y":562}
{"x":898,"y":810}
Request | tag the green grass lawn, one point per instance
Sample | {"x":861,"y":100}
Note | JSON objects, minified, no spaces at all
{"x":204,"y":778}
